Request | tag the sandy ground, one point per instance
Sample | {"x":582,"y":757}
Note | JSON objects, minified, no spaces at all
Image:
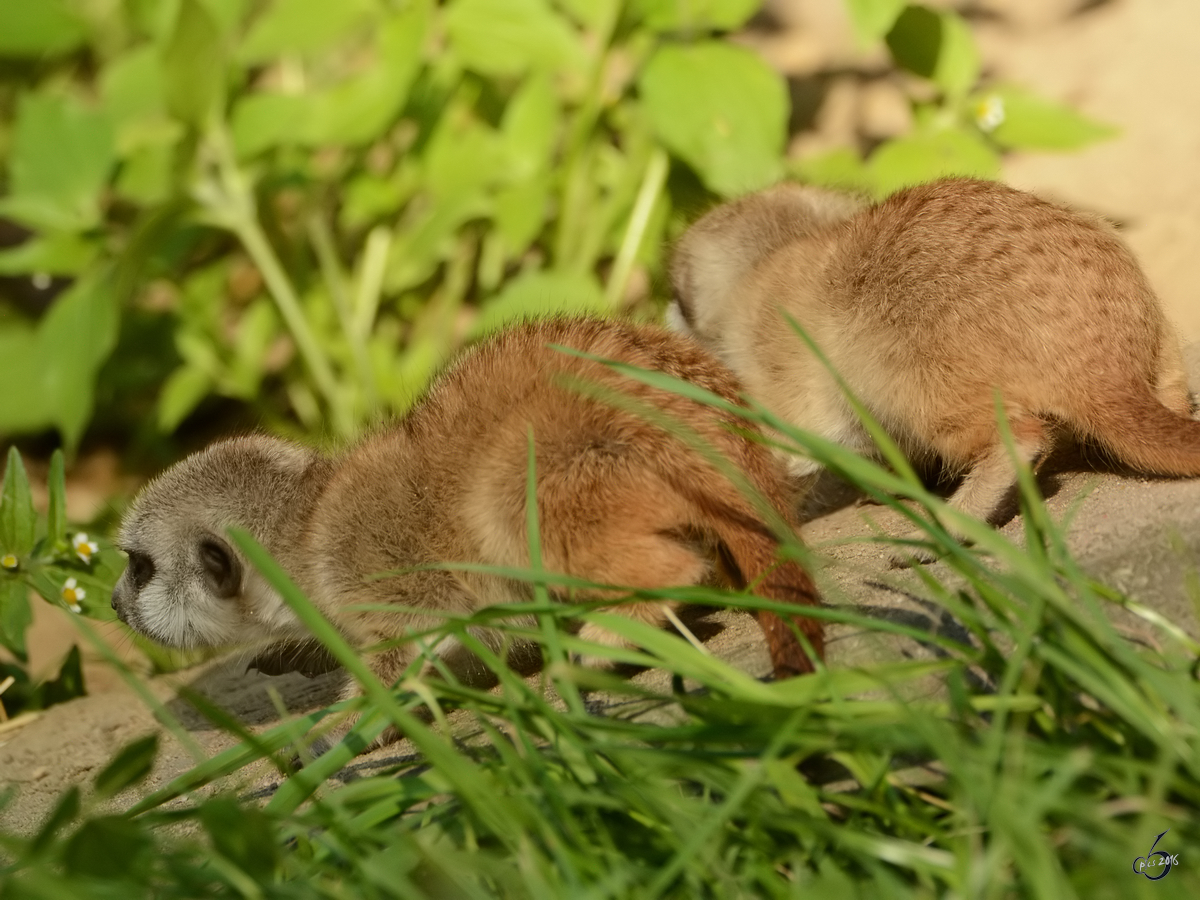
{"x":1128,"y":62}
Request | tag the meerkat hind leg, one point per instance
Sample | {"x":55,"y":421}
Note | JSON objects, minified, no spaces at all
{"x":990,"y":479}
{"x":642,"y":561}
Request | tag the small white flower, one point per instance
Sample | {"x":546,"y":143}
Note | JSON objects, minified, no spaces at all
{"x":84,"y":548}
{"x":989,"y":112}
{"x":72,"y":593}
{"x":9,"y":561}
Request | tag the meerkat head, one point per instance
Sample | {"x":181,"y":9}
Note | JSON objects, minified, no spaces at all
{"x":721,"y":248}
{"x":186,"y":585}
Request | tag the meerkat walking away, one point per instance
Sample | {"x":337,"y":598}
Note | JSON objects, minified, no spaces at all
{"x":929,"y":305}
{"x":620,"y":501}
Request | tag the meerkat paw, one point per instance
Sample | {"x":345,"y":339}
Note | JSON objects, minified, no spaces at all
{"x":597,"y":634}
{"x":915,"y":551}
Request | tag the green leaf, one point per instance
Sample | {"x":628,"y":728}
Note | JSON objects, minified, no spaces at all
{"x":694,"y":15}
{"x":21,"y":411}
{"x":66,"y":810}
{"x":108,"y":847}
{"x":925,"y":157}
{"x":131,"y":764}
{"x":67,"y":685}
{"x":75,"y":338}
{"x":148,"y":175}
{"x":56,"y":253}
{"x":56,"y":489}
{"x":530,"y":127}
{"x":841,"y":168}
{"x":356,"y":111}
{"x":18,"y":520}
{"x":38,"y":28}
{"x":181,"y":394}
{"x":721,"y":109}
{"x":872,"y":19}
{"x":193,"y":65}
{"x":509,"y":37}
{"x":301,"y":26}
{"x":938,"y":46}
{"x":15,"y":614}
{"x":57,"y":363}
{"x":521,"y":211}
{"x":242,"y":834}
{"x":1030,"y":122}
{"x":61,"y":156}
{"x":535,"y":295}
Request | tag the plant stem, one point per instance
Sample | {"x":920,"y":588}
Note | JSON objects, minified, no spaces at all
{"x":234,"y":207}
{"x":335,"y":279}
{"x":635,"y":231}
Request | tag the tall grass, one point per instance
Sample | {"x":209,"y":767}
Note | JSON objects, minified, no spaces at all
{"x":1057,"y":754}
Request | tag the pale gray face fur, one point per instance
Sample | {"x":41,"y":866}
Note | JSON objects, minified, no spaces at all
{"x":186,"y":585}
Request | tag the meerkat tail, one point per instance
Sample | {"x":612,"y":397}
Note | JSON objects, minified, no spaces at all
{"x":754,"y":552}
{"x":1146,"y":435}
{"x":750,"y":548}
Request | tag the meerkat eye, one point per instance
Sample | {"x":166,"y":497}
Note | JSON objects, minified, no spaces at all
{"x":222,"y":572}
{"x":140,"y":570}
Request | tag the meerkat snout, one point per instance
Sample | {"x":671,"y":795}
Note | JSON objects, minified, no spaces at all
{"x":185,"y":584}
{"x":929,"y":306}
{"x":372,"y":536}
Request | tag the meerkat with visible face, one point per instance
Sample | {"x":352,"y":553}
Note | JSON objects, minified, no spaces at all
{"x":929,"y":305}
{"x":621,"y":500}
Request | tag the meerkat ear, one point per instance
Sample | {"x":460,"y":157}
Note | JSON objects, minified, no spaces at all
{"x":222,"y":571}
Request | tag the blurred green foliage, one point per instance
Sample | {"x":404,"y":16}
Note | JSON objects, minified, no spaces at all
{"x":66,"y":569}
{"x":306,"y":206}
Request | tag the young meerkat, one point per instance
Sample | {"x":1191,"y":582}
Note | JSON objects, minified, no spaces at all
{"x":929,"y":305}
{"x":621,"y":500}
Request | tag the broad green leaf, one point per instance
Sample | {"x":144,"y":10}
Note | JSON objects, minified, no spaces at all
{"x":301,"y":26}
{"x":65,"y":811}
{"x":38,"y":28}
{"x":538,"y":294}
{"x":193,"y":65}
{"x":15,"y":614}
{"x":242,"y":834}
{"x":61,"y":155}
{"x":530,"y":127}
{"x":148,"y":175}
{"x":67,"y":685}
{"x":462,"y":158}
{"x":17,"y":517}
{"x":721,"y":109}
{"x":924,"y":157}
{"x":61,"y":253}
{"x":872,"y":19}
{"x":509,"y":37}
{"x":594,"y":14}
{"x":76,"y":336}
{"x":842,"y":168}
{"x":181,"y":394}
{"x":56,"y":489}
{"x":133,"y":93}
{"x":131,"y":764}
{"x":263,"y":121}
{"x":23,"y":410}
{"x":695,"y":16}
{"x":938,"y":46}
{"x":353,"y":112}
{"x":109,"y":847}
{"x":520,"y":211}
{"x":1025,"y":121}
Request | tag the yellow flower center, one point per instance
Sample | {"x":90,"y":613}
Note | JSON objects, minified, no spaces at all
{"x":8,"y":561}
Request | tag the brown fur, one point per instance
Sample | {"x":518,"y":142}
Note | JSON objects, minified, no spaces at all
{"x":620,"y":501}
{"x":930,"y":303}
